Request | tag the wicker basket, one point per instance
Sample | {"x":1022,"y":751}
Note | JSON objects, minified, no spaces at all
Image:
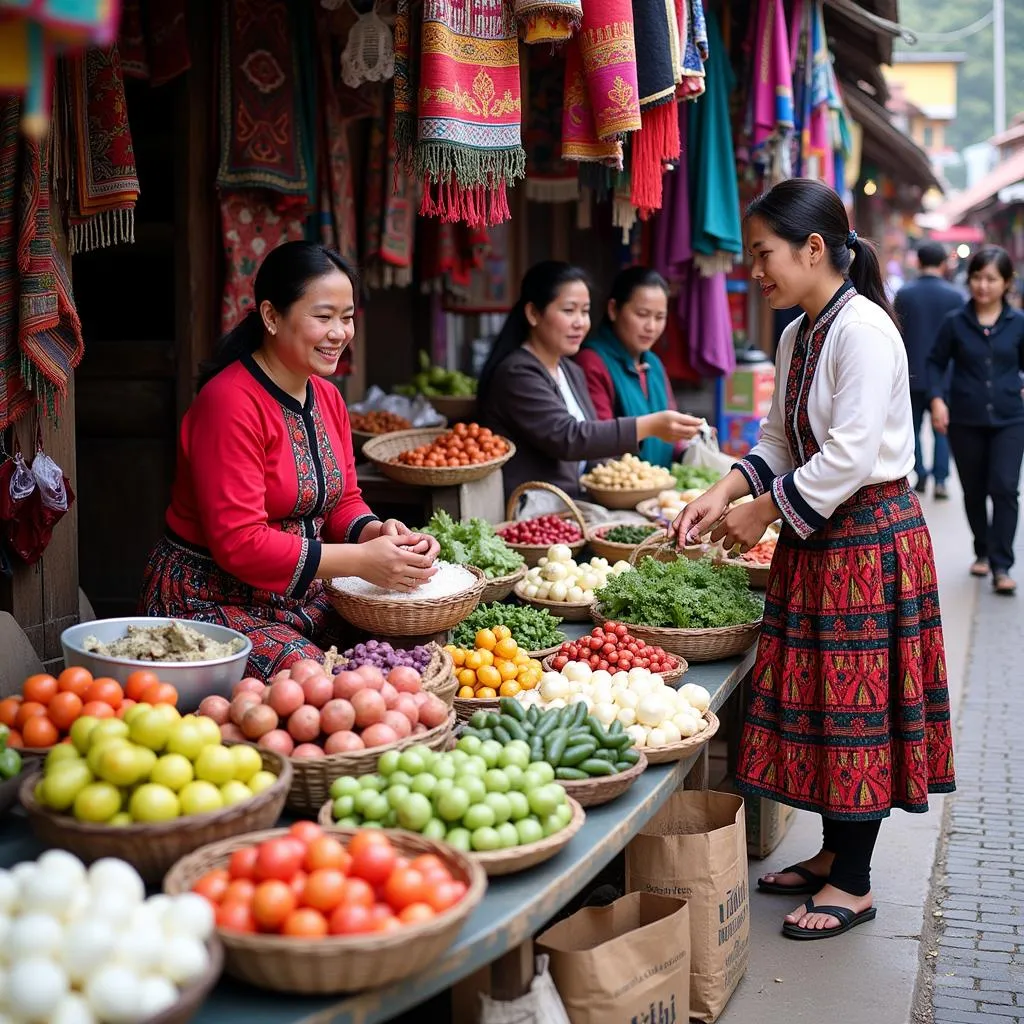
{"x":533,"y":553}
{"x":9,"y":791}
{"x":439,"y":675}
{"x":547,"y":652}
{"x":500,"y":587}
{"x":622,"y":499}
{"x":337,"y":963}
{"x":567,"y":611}
{"x":603,"y":788}
{"x":190,"y":999}
{"x":464,"y":707}
{"x":519,"y":858}
{"x":152,"y":848}
{"x":671,"y":678}
{"x":684,"y":748}
{"x":757,"y":574}
{"x":620,"y":552}
{"x":387,"y":617}
{"x":312,"y":778}
{"x":455,"y":408}
{"x":383,"y":452}
{"x":360,"y":437}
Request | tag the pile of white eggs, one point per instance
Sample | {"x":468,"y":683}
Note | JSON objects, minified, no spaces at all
{"x":85,"y":946}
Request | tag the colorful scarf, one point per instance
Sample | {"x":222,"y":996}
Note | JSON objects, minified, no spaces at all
{"x":771,"y":93}
{"x":101,"y":171}
{"x":154,"y":45}
{"x":551,"y":179}
{"x":406,"y":81}
{"x":468,"y":144}
{"x":579,"y":134}
{"x":548,"y":21}
{"x":695,"y":49}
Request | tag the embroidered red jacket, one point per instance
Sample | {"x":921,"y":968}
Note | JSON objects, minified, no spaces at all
{"x":263,"y":480}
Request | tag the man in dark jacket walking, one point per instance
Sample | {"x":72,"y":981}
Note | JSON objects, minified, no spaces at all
{"x":922,"y":305}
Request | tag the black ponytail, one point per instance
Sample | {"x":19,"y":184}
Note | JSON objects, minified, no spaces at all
{"x":282,"y":280}
{"x":540,"y":287}
{"x":797,"y":208}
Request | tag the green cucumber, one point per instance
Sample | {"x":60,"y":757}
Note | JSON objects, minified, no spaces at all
{"x":592,"y":766}
{"x":493,"y":719}
{"x":571,"y":774}
{"x":502,"y":735}
{"x":513,"y":728}
{"x":580,"y":713}
{"x":604,"y":754}
{"x":622,"y":766}
{"x":578,"y":753}
{"x":547,"y":724}
{"x":630,"y":756}
{"x":554,"y":746}
{"x":533,"y":715}
{"x":616,"y":729}
{"x":536,"y":748}
{"x":511,"y":707}
{"x":478,"y":720}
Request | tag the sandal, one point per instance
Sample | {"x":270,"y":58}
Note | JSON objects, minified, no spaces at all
{"x":812,"y":883}
{"x":1003,"y":584}
{"x":846,"y":917}
{"x":979,"y":567}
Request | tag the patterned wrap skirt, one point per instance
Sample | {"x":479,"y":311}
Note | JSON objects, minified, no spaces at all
{"x":849,"y":714}
{"x":184,"y":582}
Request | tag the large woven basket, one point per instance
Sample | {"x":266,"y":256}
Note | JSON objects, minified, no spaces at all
{"x":670,"y":678}
{"x":621,"y":499}
{"x":602,"y":789}
{"x":152,"y":848}
{"x":757,"y":574}
{"x":500,"y":587}
{"x":439,"y":675}
{"x":533,"y":553}
{"x":566,"y":610}
{"x":520,"y":858}
{"x":383,"y":452}
{"x":312,"y":777}
{"x":684,"y":748}
{"x":360,"y":437}
{"x":337,"y":963}
{"x":464,"y":707}
{"x":620,"y":552}
{"x":388,"y":617}
{"x":191,"y":998}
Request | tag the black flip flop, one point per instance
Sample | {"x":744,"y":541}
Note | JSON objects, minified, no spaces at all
{"x":847,"y":918}
{"x":812,"y":883}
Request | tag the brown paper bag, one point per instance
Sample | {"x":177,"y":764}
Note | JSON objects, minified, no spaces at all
{"x":695,"y":849}
{"x":628,"y":963}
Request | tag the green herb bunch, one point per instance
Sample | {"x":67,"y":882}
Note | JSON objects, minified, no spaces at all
{"x":629,"y":534}
{"x":473,"y":542}
{"x":534,"y":629}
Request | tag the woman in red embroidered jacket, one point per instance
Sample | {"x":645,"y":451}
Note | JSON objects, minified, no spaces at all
{"x":265,"y":504}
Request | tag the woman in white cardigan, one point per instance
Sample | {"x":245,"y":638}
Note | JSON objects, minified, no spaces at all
{"x":849,"y":711}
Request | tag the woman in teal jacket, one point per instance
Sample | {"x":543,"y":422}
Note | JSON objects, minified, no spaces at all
{"x":624,"y":377}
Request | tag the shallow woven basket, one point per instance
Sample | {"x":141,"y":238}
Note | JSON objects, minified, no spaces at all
{"x":533,"y":553}
{"x":621,"y":499}
{"x":152,"y":848}
{"x":567,"y":611}
{"x":465,"y":706}
{"x":519,"y":858}
{"x":650,"y":509}
{"x":384,"y":616}
{"x":620,"y":552}
{"x":454,"y":407}
{"x":312,"y":778}
{"x":684,"y":748}
{"x":602,"y":789}
{"x":757,"y":574}
{"x":9,"y":790}
{"x":190,"y":999}
{"x":671,"y":678}
{"x":360,"y":437}
{"x":337,"y":963}
{"x":439,"y":675}
{"x":546,"y":652}
{"x":500,"y":587}
{"x":383,"y":452}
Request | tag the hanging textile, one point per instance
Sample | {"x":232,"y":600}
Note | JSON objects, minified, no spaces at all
{"x":131,"y":41}
{"x":154,"y":42}
{"x":449,"y":253}
{"x":704,"y":310}
{"x":714,"y":194}
{"x":551,"y":179}
{"x":580,"y":141}
{"x":101,"y":159}
{"x":548,"y":21}
{"x":818,"y":139}
{"x":771,"y":94}
{"x":33,"y":35}
{"x":468,"y":146}
{"x":695,"y":50}
{"x":671,"y":248}
{"x":406,"y":80}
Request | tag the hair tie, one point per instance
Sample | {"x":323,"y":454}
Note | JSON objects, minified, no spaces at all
{"x":850,"y":239}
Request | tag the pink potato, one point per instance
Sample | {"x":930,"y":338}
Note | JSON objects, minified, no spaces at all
{"x":248,"y":685}
{"x":348,"y":684}
{"x":318,"y":689}
{"x":217,"y":708}
{"x":241,"y":704}
{"x":278,"y":677}
{"x":369,"y":707}
{"x":434,"y":712}
{"x":398,"y":722}
{"x":419,"y":729}
{"x":258,"y":721}
{"x":307,"y":750}
{"x":304,"y":724}
{"x":380,"y":735}
{"x":337,"y":716}
{"x":278,"y":741}
{"x":372,"y":676}
{"x":405,"y":679}
{"x":408,"y":707}
{"x":303,"y":669}
{"x":420,"y":698}
{"x":229,"y":732}
{"x":343,"y":742}
{"x":285,"y":697}
{"x":390,"y":695}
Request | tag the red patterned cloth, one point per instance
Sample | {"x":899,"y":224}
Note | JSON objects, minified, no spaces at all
{"x":154,"y":42}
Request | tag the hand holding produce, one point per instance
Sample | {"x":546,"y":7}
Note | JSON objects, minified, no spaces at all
{"x":558,"y":577}
{"x":473,"y":542}
{"x":86,"y":946}
{"x":744,"y":524}
{"x":533,"y":629}
{"x":612,"y":649}
{"x":379,"y":421}
{"x":541,"y":531}
{"x":308,"y":884}
{"x":481,"y":796}
{"x":684,"y":594}
{"x":497,"y":666}
{"x":627,"y":474}
{"x":436,"y":382}
{"x":464,"y":445}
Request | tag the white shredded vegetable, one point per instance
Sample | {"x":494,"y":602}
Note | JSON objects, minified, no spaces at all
{"x":447,"y":581}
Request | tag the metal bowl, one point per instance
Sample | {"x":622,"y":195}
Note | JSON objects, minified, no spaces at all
{"x":193,"y":680}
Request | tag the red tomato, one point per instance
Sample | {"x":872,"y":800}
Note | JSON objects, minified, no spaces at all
{"x":351,"y":919}
{"x":243,"y":863}
{"x":159,"y":693}
{"x":305,"y":923}
{"x":138,"y":682}
{"x":445,"y":895}
{"x":324,"y":890}
{"x":428,"y":864}
{"x":357,"y":892}
{"x":98,"y":709}
{"x":416,"y":913}
{"x":213,"y":885}
{"x":64,"y":708}
{"x":374,"y":862}
{"x":278,"y":859}
{"x":306,"y":831}
{"x":272,"y":902}
{"x":39,"y":688}
{"x":28,"y":709}
{"x":240,"y":890}
{"x":405,"y":887}
{"x":362,"y":838}
{"x":106,"y":690}
{"x":235,"y":917}
{"x":327,"y":852}
{"x":298,"y":884}
{"x":74,"y":680}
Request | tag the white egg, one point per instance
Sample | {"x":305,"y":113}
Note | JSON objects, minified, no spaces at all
{"x":702,"y":723}
{"x":157,"y":994}
{"x":638,"y":673}
{"x":34,"y":935}
{"x":54,"y":862}
{"x":112,"y":906}
{"x":141,"y":949}
{"x":627,"y":716}
{"x":114,"y":994}
{"x":628,"y":699}
{"x":686,"y":724}
{"x":21,"y":873}
{"x":108,"y":873}
{"x":49,"y":894}
{"x":600,"y":677}
{"x":88,"y":945}
{"x":157,"y":905}
{"x":77,"y":906}
{"x":73,"y":1009}
{"x":641,"y":687}
{"x":189,"y":914}
{"x":184,"y":960}
{"x":35,"y":987}
{"x":8,"y":891}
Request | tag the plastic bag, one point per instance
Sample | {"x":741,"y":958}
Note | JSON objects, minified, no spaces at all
{"x":52,"y":484}
{"x":418,"y":411}
{"x":541,"y":1005}
{"x":703,"y":451}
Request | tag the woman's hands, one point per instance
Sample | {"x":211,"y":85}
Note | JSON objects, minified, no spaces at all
{"x":700,"y":515}
{"x":424,"y":544}
{"x":940,"y":416}
{"x":394,"y":562}
{"x":743,"y":525}
{"x":670,"y":426}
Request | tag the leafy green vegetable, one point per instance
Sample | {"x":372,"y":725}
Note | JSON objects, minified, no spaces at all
{"x":628,"y":534}
{"x":694,"y":477}
{"x":683,"y":594}
{"x":534,"y":629}
{"x":473,"y":542}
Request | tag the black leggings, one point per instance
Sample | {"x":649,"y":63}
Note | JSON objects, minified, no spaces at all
{"x":853,"y":843}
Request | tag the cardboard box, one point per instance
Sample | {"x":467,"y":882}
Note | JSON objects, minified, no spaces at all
{"x":749,"y":390}
{"x":738,"y":433}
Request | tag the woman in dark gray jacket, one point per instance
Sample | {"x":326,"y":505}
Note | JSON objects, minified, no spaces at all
{"x":532,"y":392}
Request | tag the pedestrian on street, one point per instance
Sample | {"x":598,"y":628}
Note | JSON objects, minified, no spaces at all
{"x":849,"y":710}
{"x":984,"y":340}
{"x":921,"y":307}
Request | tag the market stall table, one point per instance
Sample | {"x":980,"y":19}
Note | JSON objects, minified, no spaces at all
{"x":514,"y":908}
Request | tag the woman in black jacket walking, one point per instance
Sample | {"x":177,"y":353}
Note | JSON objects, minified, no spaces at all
{"x":985,"y":417}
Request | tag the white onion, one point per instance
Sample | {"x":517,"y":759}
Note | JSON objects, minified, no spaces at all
{"x":35,"y":987}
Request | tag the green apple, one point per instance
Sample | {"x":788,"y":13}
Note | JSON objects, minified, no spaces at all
{"x":118,"y":764}
{"x":346,"y":785}
{"x":415,"y":812}
{"x":185,"y":738}
{"x":530,"y":830}
{"x":62,"y":783}
{"x":516,"y":753}
{"x":108,"y":729}
{"x":396,"y":794}
{"x":474,"y":786}
{"x":445,"y":767}
{"x":235,"y":792}
{"x":451,"y":806}
{"x":62,"y":753}
{"x":496,"y":781}
{"x":81,"y":730}
{"x":146,"y":759}
{"x":247,"y":760}
{"x":551,"y":823}
{"x":515,"y":776}
{"x":490,"y":751}
{"x":173,"y":771}
{"x":377,"y":807}
{"x":400,"y":778}
{"x":199,"y":797}
{"x":96,"y":751}
{"x":424,"y":783}
{"x":508,"y":835}
{"x":478,"y":816}
{"x":544,"y":800}
{"x":544,"y":770}
{"x":150,"y":729}
{"x":135,"y":711}
{"x":210,"y":731}
{"x":388,"y":762}
{"x":121,"y":819}
{"x":459,"y":838}
{"x":500,"y":805}
{"x":215,"y":764}
{"x":152,"y":803}
{"x":366,"y":798}
{"x":261,"y":782}
{"x":443,"y":785}
{"x":375,"y":782}
{"x":412,"y":761}
{"x":435,"y":829}
{"x":520,"y":805}
{"x":485,"y":838}
{"x":470,"y":744}
{"x":343,"y":807}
